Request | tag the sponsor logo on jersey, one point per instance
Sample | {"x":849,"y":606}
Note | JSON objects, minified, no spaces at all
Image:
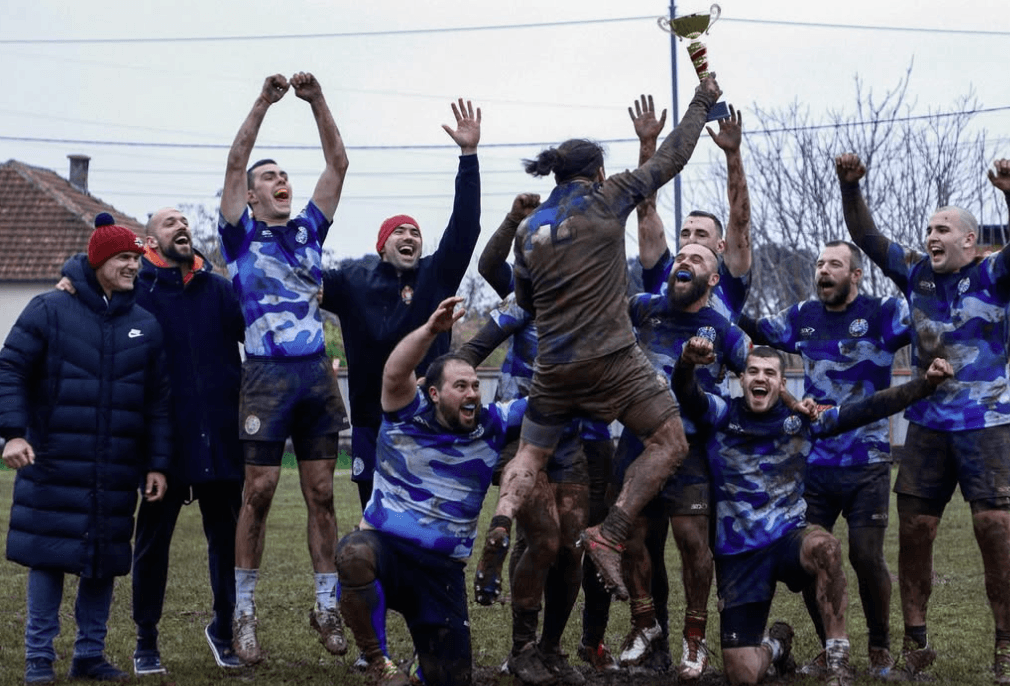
{"x":807,"y":331}
{"x":927,"y":287}
{"x":266,"y":233}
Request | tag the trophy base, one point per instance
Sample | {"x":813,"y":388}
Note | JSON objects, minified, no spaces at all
{"x":718,"y":111}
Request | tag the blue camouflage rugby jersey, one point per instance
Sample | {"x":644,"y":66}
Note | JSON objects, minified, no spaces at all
{"x":728,"y":296}
{"x":847,"y":356}
{"x":961,"y":316}
{"x":430,"y":482}
{"x":277,"y":273}
{"x":758,"y":464}
{"x":517,"y":368}
{"x":663,"y":332}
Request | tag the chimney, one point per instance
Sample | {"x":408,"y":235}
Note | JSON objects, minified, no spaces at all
{"x":79,"y":171}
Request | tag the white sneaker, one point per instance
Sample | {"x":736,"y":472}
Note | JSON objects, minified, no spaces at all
{"x":694,"y":659}
{"x":638,"y":644}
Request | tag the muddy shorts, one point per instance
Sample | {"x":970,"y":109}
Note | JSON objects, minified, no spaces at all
{"x":284,"y":397}
{"x":751,"y":577}
{"x":567,"y":464}
{"x":934,"y":463}
{"x":685,"y":493}
{"x":860,"y":493}
{"x":622,"y":385}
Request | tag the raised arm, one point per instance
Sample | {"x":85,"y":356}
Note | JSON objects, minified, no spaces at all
{"x":493,"y":265}
{"x":858,"y":220}
{"x":892,"y":400}
{"x":693,"y":402}
{"x":399,"y":383}
{"x":331,"y":182}
{"x":999,"y":177}
{"x":236,"y":189}
{"x":467,"y":131}
{"x":729,"y":137}
{"x":651,"y":234}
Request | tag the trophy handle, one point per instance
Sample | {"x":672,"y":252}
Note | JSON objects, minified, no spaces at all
{"x":664,"y":23}
{"x":714,"y":13}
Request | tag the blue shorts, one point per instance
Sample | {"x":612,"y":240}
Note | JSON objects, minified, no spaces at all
{"x":685,"y":493}
{"x":934,"y":463}
{"x":363,"y":442}
{"x":428,"y":589}
{"x":859,"y":493}
{"x":284,"y":397}
{"x":751,"y":577}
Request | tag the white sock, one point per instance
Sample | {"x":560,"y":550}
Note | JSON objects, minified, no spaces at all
{"x":245,"y":587}
{"x":326,"y":590}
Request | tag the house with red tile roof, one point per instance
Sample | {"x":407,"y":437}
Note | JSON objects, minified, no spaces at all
{"x":44,"y":219}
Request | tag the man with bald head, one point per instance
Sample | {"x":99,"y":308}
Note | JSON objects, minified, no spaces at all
{"x":961,"y":435}
{"x":203,"y":326}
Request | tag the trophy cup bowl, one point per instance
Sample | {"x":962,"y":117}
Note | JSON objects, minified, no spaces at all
{"x":692,"y":27}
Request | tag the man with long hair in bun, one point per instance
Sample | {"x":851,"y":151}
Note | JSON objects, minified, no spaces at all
{"x":570,"y":271}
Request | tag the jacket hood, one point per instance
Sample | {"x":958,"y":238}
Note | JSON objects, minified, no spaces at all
{"x":82,"y":276}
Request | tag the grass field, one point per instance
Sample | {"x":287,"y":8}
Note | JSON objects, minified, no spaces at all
{"x":961,"y":625}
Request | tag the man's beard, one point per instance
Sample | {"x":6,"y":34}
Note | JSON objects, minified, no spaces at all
{"x":840,"y":296}
{"x":682,"y":300}
{"x":172,"y":253}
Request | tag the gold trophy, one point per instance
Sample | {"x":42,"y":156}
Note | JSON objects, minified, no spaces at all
{"x":692,"y":27}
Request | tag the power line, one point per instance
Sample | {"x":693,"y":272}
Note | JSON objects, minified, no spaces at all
{"x":527,"y":144}
{"x":464,"y":29}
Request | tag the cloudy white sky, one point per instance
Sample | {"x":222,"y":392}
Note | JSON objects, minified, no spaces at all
{"x":155,"y":91}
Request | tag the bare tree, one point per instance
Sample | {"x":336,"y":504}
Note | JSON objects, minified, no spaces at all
{"x":915,"y":163}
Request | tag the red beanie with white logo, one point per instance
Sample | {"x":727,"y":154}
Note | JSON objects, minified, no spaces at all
{"x":110,"y":239}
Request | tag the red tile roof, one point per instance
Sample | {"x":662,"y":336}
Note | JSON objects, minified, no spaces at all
{"x":43,"y":221}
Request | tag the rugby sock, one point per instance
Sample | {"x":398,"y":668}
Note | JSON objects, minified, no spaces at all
{"x":1002,"y":637}
{"x":836,"y":651}
{"x":245,"y":587}
{"x":917,"y":634}
{"x":364,"y":612}
{"x":326,"y":590}
{"x":774,"y":647}
{"x":524,"y":628}
{"x":643,"y":612}
{"x":695,"y":622}
{"x":616,"y":526}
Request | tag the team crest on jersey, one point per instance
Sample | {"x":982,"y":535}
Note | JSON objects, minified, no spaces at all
{"x":927,"y":287}
{"x":252,"y":424}
{"x":707,"y":332}
{"x":407,"y":295}
{"x":963,"y":285}
{"x":858,"y":327}
{"x":807,"y":332}
{"x":735,"y":428}
{"x":792,"y":425}
{"x":302,"y":236}
{"x":358,"y":466}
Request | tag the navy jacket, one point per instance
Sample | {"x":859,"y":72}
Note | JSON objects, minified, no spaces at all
{"x":377,"y":307}
{"x":84,"y":382}
{"x":203,"y":326}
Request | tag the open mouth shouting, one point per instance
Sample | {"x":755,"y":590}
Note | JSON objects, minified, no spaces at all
{"x":683,"y":275}
{"x":282,"y":194}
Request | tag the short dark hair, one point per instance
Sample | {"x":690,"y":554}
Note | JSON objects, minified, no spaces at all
{"x":855,"y":254}
{"x":249,"y":178}
{"x":435,"y":373}
{"x":768,"y":353}
{"x":575,"y":158}
{"x":709,"y":215}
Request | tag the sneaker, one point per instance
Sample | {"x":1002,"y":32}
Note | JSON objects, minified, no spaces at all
{"x":330,"y":628}
{"x":223,"y":653}
{"x":694,"y":659}
{"x":913,"y":659}
{"x":637,"y":644}
{"x":606,"y":555}
{"x":245,"y":644}
{"x":487,"y":579}
{"x":558,"y":665}
{"x":783,"y":633}
{"x":384,"y":672}
{"x":528,"y":666}
{"x":1001,"y":664}
{"x":39,"y":670}
{"x":881,"y":663}
{"x":96,"y":669}
{"x":599,"y":658}
{"x":148,"y":662}
{"x":816,"y":668}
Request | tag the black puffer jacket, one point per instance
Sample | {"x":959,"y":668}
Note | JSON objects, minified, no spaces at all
{"x":84,"y":382}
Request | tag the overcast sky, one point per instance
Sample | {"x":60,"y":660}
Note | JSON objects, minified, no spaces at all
{"x":571,"y":69}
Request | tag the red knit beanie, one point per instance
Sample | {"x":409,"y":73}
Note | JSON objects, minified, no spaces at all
{"x":110,"y":239}
{"x":390,"y":225}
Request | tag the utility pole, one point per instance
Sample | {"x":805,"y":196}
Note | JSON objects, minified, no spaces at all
{"x":675,"y":120}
